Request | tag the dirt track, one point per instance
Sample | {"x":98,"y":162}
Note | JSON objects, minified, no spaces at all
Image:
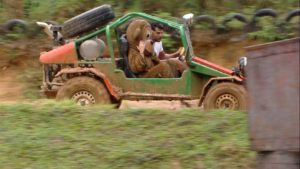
{"x":173,"y":105}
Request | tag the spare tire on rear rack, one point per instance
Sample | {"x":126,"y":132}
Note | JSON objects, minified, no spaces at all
{"x":88,"y":21}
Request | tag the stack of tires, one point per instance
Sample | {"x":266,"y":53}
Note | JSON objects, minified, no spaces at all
{"x":71,"y":28}
{"x":250,"y":24}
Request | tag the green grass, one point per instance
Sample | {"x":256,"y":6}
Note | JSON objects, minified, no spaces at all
{"x":61,"y":135}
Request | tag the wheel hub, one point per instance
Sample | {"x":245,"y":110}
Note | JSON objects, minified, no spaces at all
{"x":227,"y":101}
{"x":83,"y":98}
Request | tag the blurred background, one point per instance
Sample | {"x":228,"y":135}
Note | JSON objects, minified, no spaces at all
{"x":48,"y":134}
{"x":221,"y":30}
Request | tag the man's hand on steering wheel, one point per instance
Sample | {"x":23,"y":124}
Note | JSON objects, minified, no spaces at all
{"x":181,"y":56}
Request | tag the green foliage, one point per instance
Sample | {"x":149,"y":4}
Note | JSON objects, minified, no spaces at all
{"x":271,"y":31}
{"x":168,"y":42}
{"x":203,"y":26}
{"x":164,"y":15}
{"x":63,"y":135}
{"x":18,"y":32}
{"x":60,"y":10}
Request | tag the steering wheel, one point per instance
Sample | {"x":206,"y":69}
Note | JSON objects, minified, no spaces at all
{"x":181,"y":53}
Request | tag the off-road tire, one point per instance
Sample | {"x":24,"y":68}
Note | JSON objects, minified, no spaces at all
{"x":264,"y":12}
{"x":86,"y":84}
{"x":292,"y":14}
{"x":206,"y":19}
{"x":230,"y":93}
{"x":88,"y":21}
{"x":10,"y":25}
{"x":238,"y":16}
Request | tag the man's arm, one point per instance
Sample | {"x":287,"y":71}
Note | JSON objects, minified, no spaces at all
{"x":163,"y":55}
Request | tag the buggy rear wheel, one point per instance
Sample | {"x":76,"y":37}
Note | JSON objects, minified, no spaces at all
{"x":84,"y":91}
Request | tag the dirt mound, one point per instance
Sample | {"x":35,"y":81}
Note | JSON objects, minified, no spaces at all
{"x":222,"y":49}
{"x":10,"y":87}
{"x":15,"y":58}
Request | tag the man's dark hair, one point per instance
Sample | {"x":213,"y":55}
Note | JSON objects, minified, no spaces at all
{"x":157,"y":25}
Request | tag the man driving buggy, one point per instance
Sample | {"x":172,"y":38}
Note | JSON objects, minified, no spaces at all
{"x":156,"y":37}
{"x":146,"y":51}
